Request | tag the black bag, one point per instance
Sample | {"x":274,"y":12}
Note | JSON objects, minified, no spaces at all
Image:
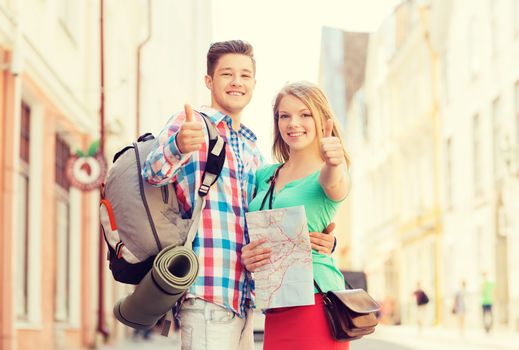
{"x":351,"y":313}
{"x":422,"y":298}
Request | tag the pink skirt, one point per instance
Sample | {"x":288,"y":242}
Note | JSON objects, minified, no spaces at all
{"x":300,"y":328}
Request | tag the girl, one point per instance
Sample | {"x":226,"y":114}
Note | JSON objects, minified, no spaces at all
{"x":313,"y":172}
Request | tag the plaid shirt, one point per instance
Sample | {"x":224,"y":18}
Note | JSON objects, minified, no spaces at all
{"x":222,"y":231}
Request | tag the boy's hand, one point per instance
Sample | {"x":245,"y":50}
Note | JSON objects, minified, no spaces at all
{"x":323,"y":242}
{"x":191,"y":135}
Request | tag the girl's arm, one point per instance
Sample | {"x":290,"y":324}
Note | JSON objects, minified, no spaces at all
{"x":335,"y":181}
{"x":334,"y":177}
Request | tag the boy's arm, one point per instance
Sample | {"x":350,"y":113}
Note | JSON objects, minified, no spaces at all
{"x":324,"y":242}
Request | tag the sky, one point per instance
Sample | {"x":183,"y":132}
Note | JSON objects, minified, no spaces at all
{"x":286,"y":35}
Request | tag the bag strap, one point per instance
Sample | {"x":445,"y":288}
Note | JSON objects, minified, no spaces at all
{"x":215,"y":157}
{"x":213,"y":168}
{"x":318,"y":289}
{"x":143,"y":196}
{"x":321,"y":291}
{"x":270,"y":192}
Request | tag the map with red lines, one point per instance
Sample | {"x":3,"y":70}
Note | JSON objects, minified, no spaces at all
{"x":287,"y":280}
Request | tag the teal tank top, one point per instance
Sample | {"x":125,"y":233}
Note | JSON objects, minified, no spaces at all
{"x":319,"y":209}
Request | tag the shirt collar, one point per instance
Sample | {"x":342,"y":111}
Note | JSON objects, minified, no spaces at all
{"x":217,"y":117}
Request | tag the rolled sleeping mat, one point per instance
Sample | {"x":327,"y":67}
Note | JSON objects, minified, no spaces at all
{"x":174,"y":271}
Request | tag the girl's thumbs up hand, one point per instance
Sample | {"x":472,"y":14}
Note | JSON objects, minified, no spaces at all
{"x":331,"y":147}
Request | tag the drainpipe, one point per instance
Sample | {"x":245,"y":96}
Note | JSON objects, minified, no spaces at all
{"x":138,"y":75}
{"x":101,"y":324}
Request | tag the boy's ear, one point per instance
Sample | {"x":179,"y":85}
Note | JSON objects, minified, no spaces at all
{"x":208,"y":82}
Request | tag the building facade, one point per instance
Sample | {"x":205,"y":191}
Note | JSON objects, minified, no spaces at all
{"x":48,"y":227}
{"x":480,"y":110}
{"x":396,"y":221}
{"x":51,"y":264}
{"x":341,"y":74}
{"x":435,"y":143}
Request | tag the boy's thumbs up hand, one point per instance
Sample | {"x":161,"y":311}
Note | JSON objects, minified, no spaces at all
{"x":331,"y":147}
{"x":189,"y":113}
{"x":191,"y":134}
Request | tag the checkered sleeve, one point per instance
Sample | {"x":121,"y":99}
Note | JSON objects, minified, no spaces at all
{"x":165,"y":159}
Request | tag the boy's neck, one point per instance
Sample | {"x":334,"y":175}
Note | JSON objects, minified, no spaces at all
{"x":236,"y":122}
{"x":235,"y":117}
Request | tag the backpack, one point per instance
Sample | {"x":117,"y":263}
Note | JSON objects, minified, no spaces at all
{"x":138,"y":219}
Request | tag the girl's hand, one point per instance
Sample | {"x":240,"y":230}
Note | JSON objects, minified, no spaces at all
{"x":331,"y":147}
{"x":253,"y":257}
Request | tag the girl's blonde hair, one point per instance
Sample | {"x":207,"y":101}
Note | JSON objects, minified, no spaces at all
{"x":315,"y":100}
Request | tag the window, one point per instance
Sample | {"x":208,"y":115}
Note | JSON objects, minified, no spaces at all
{"x":417,"y":202}
{"x":389,"y":39}
{"x":363,"y":113}
{"x":516,"y":17}
{"x":386,"y":195}
{"x":448,"y":173}
{"x":365,"y":122}
{"x":445,"y":77}
{"x":481,"y":249}
{"x":474,"y":47}
{"x":62,"y":155}
{"x":22,"y":240}
{"x":493,"y":27}
{"x":69,"y":18}
{"x":497,"y":138}
{"x":476,"y":155}
{"x":517,"y":120}
{"x":62,"y":287}
{"x":25,"y":133}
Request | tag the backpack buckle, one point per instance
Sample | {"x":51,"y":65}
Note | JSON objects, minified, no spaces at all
{"x":202,"y":191}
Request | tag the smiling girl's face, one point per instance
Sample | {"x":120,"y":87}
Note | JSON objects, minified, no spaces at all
{"x":297,"y":125}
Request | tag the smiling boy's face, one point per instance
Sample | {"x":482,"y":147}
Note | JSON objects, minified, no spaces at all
{"x":232,"y":84}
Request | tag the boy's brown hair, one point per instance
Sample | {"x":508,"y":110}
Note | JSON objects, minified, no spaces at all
{"x":218,"y":49}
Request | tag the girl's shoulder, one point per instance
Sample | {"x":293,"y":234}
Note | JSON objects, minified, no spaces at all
{"x":266,"y":171}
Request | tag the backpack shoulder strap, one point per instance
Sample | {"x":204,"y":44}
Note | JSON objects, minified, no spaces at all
{"x":213,"y":168}
{"x":215,"y":157}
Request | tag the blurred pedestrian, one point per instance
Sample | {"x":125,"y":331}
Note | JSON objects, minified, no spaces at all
{"x":422,"y":300}
{"x":487,"y":302}
{"x":459,"y":306}
{"x":145,"y":334}
{"x":387,"y":311}
{"x":313,"y":172}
